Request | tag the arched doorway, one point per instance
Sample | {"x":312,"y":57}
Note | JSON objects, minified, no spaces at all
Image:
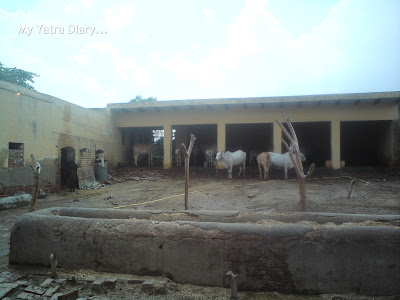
{"x":68,"y":168}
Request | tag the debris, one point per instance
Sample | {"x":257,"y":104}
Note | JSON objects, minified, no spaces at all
{"x":51,"y":291}
{"x":47,"y":282}
{"x":66,"y":296}
{"x":100,"y":286}
{"x":35,"y":290}
{"x":251,"y":196}
{"x":154,"y":287}
{"x":42,"y":194}
{"x":6,"y":288}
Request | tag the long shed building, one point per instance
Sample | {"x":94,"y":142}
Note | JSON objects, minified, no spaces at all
{"x":333,"y":130}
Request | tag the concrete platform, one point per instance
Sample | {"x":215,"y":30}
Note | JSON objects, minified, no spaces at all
{"x":269,"y":252}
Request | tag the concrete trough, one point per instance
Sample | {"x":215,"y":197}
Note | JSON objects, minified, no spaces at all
{"x":324,"y":253}
{"x":15,"y":201}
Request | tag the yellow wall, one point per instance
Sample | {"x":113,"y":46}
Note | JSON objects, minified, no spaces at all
{"x":45,"y":124}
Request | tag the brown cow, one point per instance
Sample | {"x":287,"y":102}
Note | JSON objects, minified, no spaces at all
{"x":148,"y":149}
{"x":264,"y":159}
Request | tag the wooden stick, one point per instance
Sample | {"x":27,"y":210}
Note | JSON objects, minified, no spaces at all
{"x":310,"y":170}
{"x":233,"y":283}
{"x":35,"y":189}
{"x":351,"y":187}
{"x":53,"y":262}
{"x":187,"y":153}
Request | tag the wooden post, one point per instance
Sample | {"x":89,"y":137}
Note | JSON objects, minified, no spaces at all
{"x":187,"y":153}
{"x":36,"y":172}
{"x":351,"y":188}
{"x":233,"y":283}
{"x":53,"y":262}
{"x":294,"y":154}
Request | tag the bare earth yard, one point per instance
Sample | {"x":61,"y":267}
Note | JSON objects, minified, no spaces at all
{"x":377,"y":191}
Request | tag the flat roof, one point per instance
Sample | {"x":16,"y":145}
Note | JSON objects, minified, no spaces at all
{"x":227,"y":102}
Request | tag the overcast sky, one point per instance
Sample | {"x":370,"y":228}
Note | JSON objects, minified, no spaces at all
{"x":96,"y":52}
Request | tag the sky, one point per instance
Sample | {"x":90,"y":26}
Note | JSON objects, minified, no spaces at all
{"x":92,"y":53}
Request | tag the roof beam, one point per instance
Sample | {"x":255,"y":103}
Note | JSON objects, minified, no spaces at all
{"x":377,"y":101}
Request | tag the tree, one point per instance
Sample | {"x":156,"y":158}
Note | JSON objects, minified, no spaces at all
{"x":294,"y":154}
{"x":17,"y":76}
{"x":139,"y":98}
{"x":186,"y":153}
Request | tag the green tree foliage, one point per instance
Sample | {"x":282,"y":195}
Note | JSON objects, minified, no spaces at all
{"x":139,"y":98}
{"x":17,"y":76}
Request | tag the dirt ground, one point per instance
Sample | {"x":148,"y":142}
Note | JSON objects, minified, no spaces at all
{"x":376,"y":191}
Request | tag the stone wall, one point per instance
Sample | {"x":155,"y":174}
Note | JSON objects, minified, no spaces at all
{"x":201,"y":247}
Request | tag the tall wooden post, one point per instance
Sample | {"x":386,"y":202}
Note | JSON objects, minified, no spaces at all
{"x":187,"y":153}
{"x":36,"y":172}
{"x":294,"y":154}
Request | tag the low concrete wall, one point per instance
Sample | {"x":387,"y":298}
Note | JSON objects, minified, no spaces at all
{"x":15,"y":201}
{"x":200,"y":247}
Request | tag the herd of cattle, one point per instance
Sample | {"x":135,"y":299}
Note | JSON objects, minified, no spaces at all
{"x":265,"y":160}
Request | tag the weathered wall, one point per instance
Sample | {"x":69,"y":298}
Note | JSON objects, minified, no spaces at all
{"x":267,"y":256}
{"x":44,"y":125}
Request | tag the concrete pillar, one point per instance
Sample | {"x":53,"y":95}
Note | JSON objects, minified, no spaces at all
{"x":335,"y":144}
{"x":167,"y":146}
{"x":221,"y":137}
{"x":277,"y":138}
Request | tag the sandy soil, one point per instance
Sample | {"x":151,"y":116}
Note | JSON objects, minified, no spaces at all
{"x":376,"y":191}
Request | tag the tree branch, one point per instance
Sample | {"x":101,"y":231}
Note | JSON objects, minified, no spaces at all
{"x":310,"y":170}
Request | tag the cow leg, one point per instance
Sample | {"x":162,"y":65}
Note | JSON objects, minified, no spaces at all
{"x":285,"y":168}
{"x":230,"y":172}
{"x":259,"y":169}
{"x":244,"y":167}
{"x":268,"y":164}
{"x":240,"y":170}
{"x":136,"y":158}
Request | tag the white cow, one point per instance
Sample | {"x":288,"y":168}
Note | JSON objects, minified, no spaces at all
{"x":209,"y":152}
{"x":229,"y":160}
{"x":283,"y":161}
{"x":147,"y":149}
{"x":178,"y":157}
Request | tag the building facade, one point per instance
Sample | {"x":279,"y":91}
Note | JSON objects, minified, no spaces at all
{"x":333,"y":130}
